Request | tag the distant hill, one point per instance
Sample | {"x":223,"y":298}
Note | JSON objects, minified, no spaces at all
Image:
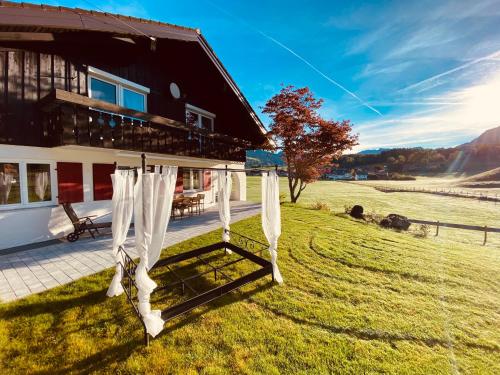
{"x":488,"y":180}
{"x":262,"y":158}
{"x":480,"y":155}
{"x":489,"y":137}
{"x":491,"y":175}
{"x":373,"y":152}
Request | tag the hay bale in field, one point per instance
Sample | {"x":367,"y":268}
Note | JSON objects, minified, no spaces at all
{"x":395,"y":221}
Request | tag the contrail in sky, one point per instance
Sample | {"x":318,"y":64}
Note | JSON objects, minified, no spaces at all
{"x":329,"y":79}
{"x":466,"y":65}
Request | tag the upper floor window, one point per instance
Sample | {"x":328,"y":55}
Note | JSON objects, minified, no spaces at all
{"x":199,"y":118}
{"x":116,"y":90}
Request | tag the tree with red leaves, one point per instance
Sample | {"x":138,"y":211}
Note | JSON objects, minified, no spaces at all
{"x":309,"y":142}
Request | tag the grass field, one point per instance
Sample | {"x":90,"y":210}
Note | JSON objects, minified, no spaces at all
{"x":446,"y":183}
{"x":413,"y":205}
{"x":356,"y":299}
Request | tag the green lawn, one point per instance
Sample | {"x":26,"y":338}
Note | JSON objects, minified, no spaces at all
{"x":413,"y":205}
{"x":356,"y":299}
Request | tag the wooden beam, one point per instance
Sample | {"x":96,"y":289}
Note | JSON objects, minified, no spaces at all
{"x":26,"y":37}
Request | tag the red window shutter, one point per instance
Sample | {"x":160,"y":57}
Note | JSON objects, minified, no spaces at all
{"x":207,"y":180}
{"x":70,"y":182}
{"x":179,"y":184}
{"x":103,"y":187}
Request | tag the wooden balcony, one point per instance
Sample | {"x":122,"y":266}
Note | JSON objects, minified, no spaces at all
{"x":71,"y":119}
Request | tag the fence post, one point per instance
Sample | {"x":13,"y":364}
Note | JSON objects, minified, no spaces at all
{"x":437,"y":228}
{"x":485,"y":234}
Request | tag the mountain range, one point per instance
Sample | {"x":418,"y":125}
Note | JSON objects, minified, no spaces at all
{"x":489,"y":137}
{"x":478,"y":155}
{"x":262,"y":158}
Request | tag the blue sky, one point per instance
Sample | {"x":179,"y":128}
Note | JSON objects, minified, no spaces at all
{"x":406,"y":73}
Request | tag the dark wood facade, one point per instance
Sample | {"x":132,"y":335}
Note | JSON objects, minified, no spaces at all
{"x":31,"y":71}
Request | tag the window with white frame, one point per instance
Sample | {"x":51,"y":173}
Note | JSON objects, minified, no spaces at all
{"x":26,"y":184}
{"x":199,"y":118}
{"x":191,"y":179}
{"x":116,"y":90}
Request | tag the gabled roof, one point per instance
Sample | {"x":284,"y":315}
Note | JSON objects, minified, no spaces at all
{"x":43,"y":18}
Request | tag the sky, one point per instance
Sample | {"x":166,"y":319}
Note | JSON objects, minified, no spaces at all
{"x":405,"y":73}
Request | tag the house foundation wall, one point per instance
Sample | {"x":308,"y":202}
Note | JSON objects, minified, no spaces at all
{"x":27,"y":224}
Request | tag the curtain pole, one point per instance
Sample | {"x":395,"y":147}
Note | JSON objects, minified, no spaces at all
{"x":226,"y":168}
{"x":143,"y":162}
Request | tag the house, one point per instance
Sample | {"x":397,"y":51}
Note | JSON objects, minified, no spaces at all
{"x":81,"y":90}
{"x":360,"y":175}
{"x":339,"y":174}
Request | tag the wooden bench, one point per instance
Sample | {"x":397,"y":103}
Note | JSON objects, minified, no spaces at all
{"x":82,"y":224}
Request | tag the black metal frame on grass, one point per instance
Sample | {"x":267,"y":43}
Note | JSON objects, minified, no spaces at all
{"x":247,"y":249}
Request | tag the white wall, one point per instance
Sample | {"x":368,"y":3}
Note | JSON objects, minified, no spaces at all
{"x":239,"y":190}
{"x":29,"y":225}
{"x":36,"y":224}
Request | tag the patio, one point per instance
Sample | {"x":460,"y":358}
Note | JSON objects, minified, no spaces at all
{"x":36,"y":270}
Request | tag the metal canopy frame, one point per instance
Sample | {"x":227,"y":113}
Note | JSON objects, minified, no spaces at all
{"x":145,"y":167}
{"x":247,"y":249}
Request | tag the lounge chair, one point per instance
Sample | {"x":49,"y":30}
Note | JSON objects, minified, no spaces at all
{"x":82,"y":224}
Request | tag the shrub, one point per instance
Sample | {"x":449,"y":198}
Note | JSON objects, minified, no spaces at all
{"x":321,"y":206}
{"x":357,"y":211}
{"x":401,"y":177}
{"x":282,"y":198}
{"x":423,"y":231}
{"x":395,"y":221}
{"x":373,"y":217}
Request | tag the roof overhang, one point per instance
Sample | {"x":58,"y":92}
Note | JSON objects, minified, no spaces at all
{"x":32,"y":22}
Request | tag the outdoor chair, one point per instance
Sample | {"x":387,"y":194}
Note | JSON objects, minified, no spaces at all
{"x":82,"y":224}
{"x":180,"y":204}
{"x":201,"y":202}
{"x":190,"y":204}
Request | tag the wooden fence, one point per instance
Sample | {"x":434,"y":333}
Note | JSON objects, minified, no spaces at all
{"x":439,"y":224}
{"x":445,"y":192}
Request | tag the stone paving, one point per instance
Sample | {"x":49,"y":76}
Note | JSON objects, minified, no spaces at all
{"x":36,"y":270}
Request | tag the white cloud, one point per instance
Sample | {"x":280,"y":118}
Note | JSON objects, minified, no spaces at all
{"x":475,"y":109}
{"x":432,"y":80}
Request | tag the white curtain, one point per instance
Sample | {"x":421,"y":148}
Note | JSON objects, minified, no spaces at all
{"x":225,"y":185}
{"x":41,"y":184}
{"x":123,"y":206}
{"x":154,"y":193}
{"x":6,"y":180}
{"x":271,"y":217}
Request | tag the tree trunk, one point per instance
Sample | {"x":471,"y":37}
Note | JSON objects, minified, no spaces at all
{"x":292,"y":184}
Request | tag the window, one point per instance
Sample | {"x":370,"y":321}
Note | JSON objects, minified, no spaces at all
{"x":10,"y":190}
{"x":199,"y":118}
{"x":191,"y":179}
{"x":116,"y":90}
{"x":102,"y":90}
{"x":26,"y":184}
{"x":39,"y":189}
{"x":134,"y":100}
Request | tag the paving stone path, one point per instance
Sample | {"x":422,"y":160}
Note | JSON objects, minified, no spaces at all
{"x":33,"y":271}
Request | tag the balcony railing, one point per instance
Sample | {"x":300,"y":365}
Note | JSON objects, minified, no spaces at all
{"x":72,"y":119}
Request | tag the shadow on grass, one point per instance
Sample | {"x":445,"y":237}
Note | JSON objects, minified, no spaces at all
{"x":405,"y":275}
{"x":97,"y":362}
{"x":317,"y":272}
{"x":228,"y":299}
{"x":37,"y":307}
{"x":369,"y":335}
